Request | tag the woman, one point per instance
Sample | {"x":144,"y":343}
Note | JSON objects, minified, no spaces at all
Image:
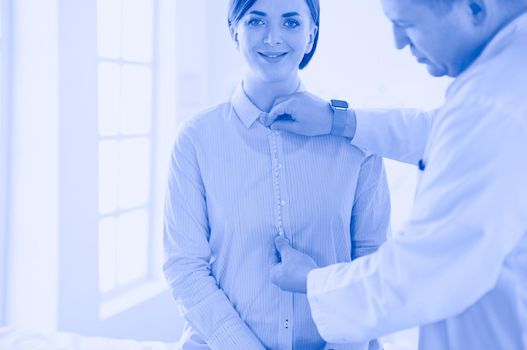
{"x":235,"y":184}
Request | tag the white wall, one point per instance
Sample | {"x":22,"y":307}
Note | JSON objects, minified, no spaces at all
{"x":33,"y":243}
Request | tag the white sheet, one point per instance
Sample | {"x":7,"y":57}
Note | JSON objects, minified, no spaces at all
{"x":17,"y":339}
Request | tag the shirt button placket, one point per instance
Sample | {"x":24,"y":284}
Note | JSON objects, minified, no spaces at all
{"x":276,"y":183}
{"x":286,"y":298}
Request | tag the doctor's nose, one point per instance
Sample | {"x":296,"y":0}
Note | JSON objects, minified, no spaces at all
{"x":273,"y":36}
{"x":401,"y":39}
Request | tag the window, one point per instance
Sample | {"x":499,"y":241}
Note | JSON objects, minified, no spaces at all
{"x":126,"y":116}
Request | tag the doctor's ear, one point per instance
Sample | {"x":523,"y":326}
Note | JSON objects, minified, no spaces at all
{"x":477,"y":10}
{"x":311,"y":41}
{"x":234,"y":36}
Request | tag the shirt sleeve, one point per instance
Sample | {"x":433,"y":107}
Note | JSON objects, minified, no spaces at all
{"x":370,"y":217}
{"x":398,"y":134}
{"x":370,"y":222}
{"x":469,"y":214}
{"x":187,"y":267}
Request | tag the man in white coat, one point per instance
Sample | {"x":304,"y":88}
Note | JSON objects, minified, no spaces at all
{"x":459,"y":267}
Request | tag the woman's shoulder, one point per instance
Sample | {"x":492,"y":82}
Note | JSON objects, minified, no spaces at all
{"x":204,"y":122}
{"x":350,"y":148}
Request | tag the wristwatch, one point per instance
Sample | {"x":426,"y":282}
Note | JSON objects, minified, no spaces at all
{"x":340,"y":109}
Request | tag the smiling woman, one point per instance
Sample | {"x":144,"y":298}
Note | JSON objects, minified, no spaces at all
{"x":235,"y":185}
{"x":274,"y":44}
{"x":237,"y":10}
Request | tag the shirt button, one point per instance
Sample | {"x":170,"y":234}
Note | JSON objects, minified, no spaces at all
{"x":286,"y":324}
{"x":282,"y":203}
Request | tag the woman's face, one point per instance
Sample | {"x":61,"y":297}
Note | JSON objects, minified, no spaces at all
{"x":273,"y":37}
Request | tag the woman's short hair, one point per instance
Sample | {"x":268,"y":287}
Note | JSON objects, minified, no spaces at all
{"x":238,"y":8}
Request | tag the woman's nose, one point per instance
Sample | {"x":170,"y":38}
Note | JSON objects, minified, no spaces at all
{"x":273,"y":36}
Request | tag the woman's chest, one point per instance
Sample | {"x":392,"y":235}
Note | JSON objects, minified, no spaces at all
{"x":280,"y":181}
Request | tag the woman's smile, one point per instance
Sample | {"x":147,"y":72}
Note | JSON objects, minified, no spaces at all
{"x":272,"y":56}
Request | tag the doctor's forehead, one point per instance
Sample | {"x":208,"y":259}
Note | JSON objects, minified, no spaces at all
{"x":402,"y":10}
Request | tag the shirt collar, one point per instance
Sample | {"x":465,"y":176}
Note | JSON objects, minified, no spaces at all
{"x":503,"y":38}
{"x":245,"y":109}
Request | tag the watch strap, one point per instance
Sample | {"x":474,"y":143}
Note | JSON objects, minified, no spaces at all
{"x":340,"y":111}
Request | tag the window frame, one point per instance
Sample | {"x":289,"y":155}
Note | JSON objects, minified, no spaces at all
{"x":79,"y":298}
{"x":121,"y":298}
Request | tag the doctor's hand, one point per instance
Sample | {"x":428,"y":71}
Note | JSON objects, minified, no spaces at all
{"x":291,"y":273}
{"x":301,"y":113}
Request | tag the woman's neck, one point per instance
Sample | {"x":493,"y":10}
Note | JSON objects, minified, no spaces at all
{"x":263,"y":94}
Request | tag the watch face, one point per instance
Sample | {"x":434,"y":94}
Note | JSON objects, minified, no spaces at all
{"x":339,"y":104}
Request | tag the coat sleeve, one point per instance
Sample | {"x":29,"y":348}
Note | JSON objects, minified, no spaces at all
{"x":469,"y":213}
{"x":187,"y":268}
{"x":398,"y":134}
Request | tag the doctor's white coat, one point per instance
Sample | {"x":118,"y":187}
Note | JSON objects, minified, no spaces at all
{"x":459,"y":267}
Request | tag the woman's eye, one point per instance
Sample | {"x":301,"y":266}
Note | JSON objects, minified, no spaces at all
{"x":291,"y":23}
{"x":254,"y":22}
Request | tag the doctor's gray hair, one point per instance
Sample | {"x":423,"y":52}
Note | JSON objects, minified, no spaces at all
{"x":444,"y":6}
{"x":238,"y":8}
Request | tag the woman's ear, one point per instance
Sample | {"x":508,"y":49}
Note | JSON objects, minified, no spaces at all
{"x":311,"y":41}
{"x":234,"y":36}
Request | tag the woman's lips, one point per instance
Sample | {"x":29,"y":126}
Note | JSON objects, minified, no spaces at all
{"x":272,"y":56}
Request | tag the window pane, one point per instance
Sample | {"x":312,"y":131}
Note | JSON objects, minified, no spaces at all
{"x":109,"y":96}
{"x":136,"y":100}
{"x":107,"y":254}
{"x":137,"y":30}
{"x":132,"y":246}
{"x":108,"y":175}
{"x":109,"y":24}
{"x":134,"y":172}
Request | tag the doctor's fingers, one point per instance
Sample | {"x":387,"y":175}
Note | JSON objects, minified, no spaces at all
{"x":287,"y":107}
{"x":277,"y":273}
{"x":286,"y":125}
{"x":282,"y":245}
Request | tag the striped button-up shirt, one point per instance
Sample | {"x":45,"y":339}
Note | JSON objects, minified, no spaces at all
{"x":233,"y":186}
